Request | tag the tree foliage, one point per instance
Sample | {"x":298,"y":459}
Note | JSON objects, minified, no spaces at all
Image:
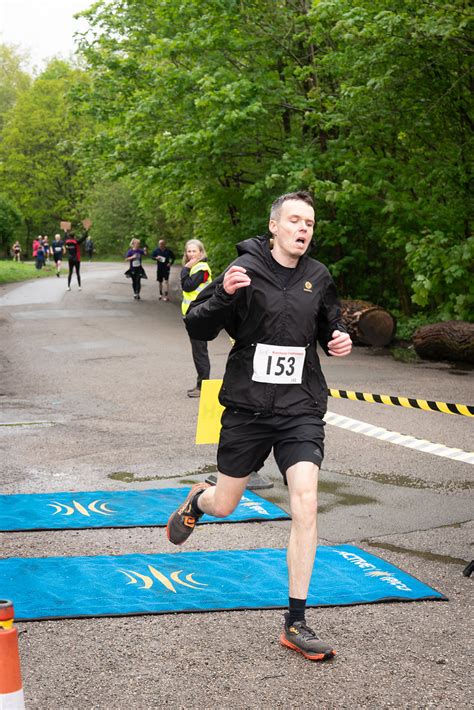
{"x":189,"y":118}
{"x":38,"y":166}
{"x":13,"y":79}
{"x":10,"y":224}
{"x":214,"y":107}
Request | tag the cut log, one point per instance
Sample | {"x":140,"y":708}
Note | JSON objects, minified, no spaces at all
{"x":368,"y":324}
{"x":449,"y":340}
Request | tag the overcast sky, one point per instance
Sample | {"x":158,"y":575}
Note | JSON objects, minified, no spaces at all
{"x":44,"y":28}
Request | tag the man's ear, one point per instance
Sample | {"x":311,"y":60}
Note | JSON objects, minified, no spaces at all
{"x":272,"y":226}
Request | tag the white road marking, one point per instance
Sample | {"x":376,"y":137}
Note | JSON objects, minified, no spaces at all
{"x":394,"y":437}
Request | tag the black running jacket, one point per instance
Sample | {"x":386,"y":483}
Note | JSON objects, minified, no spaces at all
{"x":305,"y":311}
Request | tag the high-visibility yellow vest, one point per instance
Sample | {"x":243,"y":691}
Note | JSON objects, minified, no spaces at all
{"x":190,"y":296}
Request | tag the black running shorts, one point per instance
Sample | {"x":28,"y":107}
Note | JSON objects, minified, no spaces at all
{"x":247,"y":439}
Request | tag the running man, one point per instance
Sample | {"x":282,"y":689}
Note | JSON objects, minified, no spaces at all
{"x":164,"y":258}
{"x":275,"y":303}
{"x":57,"y":247}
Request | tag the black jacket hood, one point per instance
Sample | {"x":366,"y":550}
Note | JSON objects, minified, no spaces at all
{"x":254,"y":245}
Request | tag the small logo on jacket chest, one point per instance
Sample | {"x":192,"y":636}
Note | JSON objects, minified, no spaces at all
{"x":308,"y":287}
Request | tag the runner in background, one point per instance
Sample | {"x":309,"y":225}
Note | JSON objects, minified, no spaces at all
{"x":164,"y":258}
{"x":58,"y":250}
{"x":136,"y":272}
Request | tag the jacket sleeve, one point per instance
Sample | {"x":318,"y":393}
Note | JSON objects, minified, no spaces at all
{"x":210,"y":312}
{"x":190,"y":283}
{"x":329,"y":316}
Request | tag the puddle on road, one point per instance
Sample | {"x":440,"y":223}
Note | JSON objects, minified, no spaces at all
{"x":343,"y":497}
{"x":397,"y":479}
{"x":429,"y":556}
{"x":187,"y":477}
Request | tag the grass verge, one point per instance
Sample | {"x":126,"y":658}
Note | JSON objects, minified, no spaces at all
{"x":11,"y":271}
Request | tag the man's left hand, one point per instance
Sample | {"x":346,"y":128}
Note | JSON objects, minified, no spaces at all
{"x":340,"y":344}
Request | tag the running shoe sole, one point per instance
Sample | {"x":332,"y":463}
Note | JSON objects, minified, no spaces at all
{"x":310,"y":656}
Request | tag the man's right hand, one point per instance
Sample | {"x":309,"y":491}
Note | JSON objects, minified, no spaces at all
{"x":235,"y":278}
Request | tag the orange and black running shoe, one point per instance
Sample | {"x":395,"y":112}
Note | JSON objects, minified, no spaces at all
{"x":182,"y":522}
{"x":299,"y":637}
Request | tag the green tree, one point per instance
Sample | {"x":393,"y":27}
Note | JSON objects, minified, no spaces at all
{"x":213,"y":107}
{"x":38,"y":167}
{"x":13,"y":79}
{"x":11,"y":222}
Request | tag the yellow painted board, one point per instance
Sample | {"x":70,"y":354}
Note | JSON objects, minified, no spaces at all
{"x":210,"y":412}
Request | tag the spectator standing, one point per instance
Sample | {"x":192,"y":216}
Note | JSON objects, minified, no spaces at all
{"x":16,"y":251}
{"x":89,"y":248}
{"x":195,"y":276}
{"x":46,"y":249}
{"x":164,"y":258}
{"x":38,"y":253}
{"x":35,"y":245}
{"x":73,"y":251}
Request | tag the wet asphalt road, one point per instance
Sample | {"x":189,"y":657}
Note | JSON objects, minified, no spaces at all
{"x":110,"y":375}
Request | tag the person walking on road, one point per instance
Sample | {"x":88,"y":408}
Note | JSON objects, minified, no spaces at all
{"x":58,"y":250}
{"x":164,"y":258}
{"x":136,"y":272}
{"x":195,"y":276}
{"x":276,"y":303}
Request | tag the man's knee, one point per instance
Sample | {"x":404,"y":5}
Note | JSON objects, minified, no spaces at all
{"x":304,"y":505}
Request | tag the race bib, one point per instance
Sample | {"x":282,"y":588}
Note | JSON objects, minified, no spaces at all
{"x":135,"y":262}
{"x":278,"y":364}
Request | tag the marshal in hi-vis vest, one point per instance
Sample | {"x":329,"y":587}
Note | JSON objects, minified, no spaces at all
{"x":190,"y":296}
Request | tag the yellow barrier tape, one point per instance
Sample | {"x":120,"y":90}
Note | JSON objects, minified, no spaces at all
{"x":210,"y":409}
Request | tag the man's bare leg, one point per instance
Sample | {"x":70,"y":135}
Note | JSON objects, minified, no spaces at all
{"x":303,"y":487}
{"x":297,"y":635}
{"x":220,"y":500}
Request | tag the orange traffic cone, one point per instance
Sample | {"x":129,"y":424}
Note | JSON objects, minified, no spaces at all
{"x":11,"y":690}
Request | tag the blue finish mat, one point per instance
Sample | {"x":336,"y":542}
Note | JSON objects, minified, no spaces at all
{"x":65,"y":587}
{"x":115,"y":509}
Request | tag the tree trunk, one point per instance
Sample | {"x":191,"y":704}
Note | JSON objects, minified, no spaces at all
{"x":450,"y":340}
{"x":368,"y":324}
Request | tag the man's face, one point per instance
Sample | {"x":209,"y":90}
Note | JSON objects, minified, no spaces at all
{"x":293,"y":230}
{"x":162,"y":243}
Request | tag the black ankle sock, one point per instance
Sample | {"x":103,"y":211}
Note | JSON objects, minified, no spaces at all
{"x":194,"y":506}
{"x":296,"y":610}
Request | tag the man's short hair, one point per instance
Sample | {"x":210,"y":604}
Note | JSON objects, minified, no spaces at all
{"x":300,"y":195}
